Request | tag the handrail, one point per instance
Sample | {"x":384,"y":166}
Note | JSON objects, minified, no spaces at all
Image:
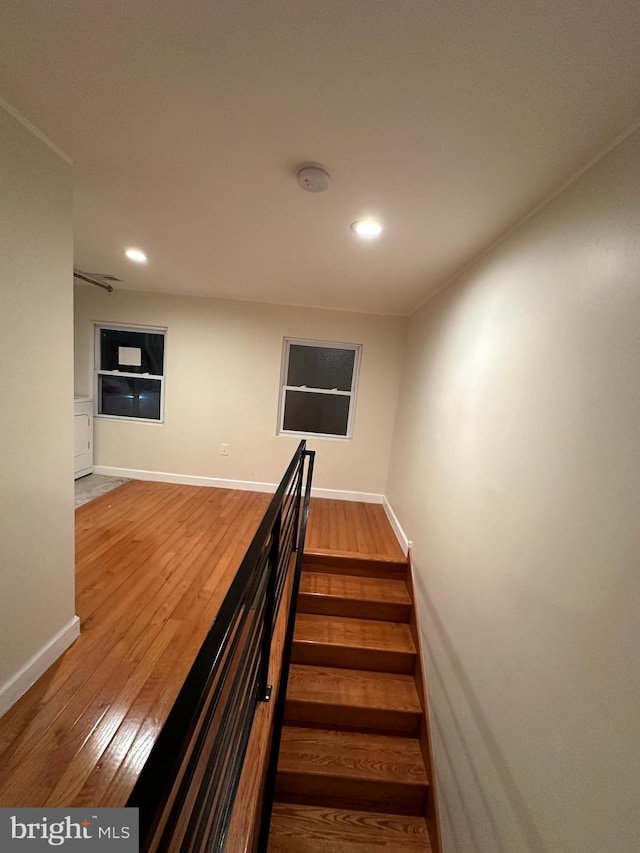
{"x":186,"y":790}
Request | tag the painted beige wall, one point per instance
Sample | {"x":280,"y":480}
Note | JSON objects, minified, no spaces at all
{"x":36,"y":472}
{"x":516,"y":473}
{"x":223,"y":373}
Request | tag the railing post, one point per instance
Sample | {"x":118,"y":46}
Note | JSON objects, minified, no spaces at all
{"x":264,"y":688}
{"x":303,"y":456}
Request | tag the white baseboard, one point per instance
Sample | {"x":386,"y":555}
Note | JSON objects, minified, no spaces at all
{"x":405,"y":542}
{"x":219,"y":483}
{"x":337,"y":495}
{"x":183,"y":479}
{"x":37,"y":665}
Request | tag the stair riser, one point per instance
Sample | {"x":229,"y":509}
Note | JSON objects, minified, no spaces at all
{"x":372,"y":660}
{"x":358,"y":568}
{"x":338,"y":792}
{"x":332,"y":606}
{"x":320,"y":714}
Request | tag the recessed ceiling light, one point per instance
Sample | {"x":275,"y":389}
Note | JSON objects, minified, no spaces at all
{"x":136,"y":255}
{"x":368,"y":228}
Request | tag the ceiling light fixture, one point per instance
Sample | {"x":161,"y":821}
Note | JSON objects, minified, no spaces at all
{"x":136,"y":255}
{"x":368,"y":228}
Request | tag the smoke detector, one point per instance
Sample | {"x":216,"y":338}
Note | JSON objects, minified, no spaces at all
{"x":313,"y":177}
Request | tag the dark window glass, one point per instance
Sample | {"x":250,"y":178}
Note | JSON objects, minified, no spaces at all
{"x":321,"y":367}
{"x":129,"y":396}
{"x":148,"y":349}
{"x":319,"y":413}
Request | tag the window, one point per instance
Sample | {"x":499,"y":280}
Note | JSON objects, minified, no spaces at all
{"x":129,"y":372}
{"x":318,"y":387}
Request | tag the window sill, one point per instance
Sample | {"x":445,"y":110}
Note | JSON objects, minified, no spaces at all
{"x":130,"y":420}
{"x":314,"y":435}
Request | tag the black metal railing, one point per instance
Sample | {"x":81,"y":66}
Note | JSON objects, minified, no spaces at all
{"x":278,"y":717}
{"x":186,"y":790}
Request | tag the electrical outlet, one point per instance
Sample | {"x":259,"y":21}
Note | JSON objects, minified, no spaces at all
{"x":224,"y":450}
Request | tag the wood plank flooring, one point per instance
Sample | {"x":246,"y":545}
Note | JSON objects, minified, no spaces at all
{"x":154,"y":561}
{"x":352,"y":528}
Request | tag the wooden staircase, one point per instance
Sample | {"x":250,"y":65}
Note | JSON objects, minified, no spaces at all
{"x":351,"y":773}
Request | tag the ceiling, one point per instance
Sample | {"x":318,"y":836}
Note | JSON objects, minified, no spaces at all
{"x":186,"y":122}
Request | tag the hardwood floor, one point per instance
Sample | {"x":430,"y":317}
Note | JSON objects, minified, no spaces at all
{"x":154,"y":561}
{"x":352,"y":528}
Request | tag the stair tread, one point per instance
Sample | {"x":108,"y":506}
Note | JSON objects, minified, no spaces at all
{"x":318,"y":829}
{"x":351,"y":586}
{"x":387,"y":691}
{"x":346,"y":632}
{"x":351,"y":755}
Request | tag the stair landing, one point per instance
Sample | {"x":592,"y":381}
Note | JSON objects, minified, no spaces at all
{"x":351,"y":528}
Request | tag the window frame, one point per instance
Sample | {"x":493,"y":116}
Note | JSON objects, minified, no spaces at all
{"x":98,"y":371}
{"x":284,"y":369}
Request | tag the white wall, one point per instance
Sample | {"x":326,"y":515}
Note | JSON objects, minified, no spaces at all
{"x":36,"y":328}
{"x":223,"y":372}
{"x":516,"y":472}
